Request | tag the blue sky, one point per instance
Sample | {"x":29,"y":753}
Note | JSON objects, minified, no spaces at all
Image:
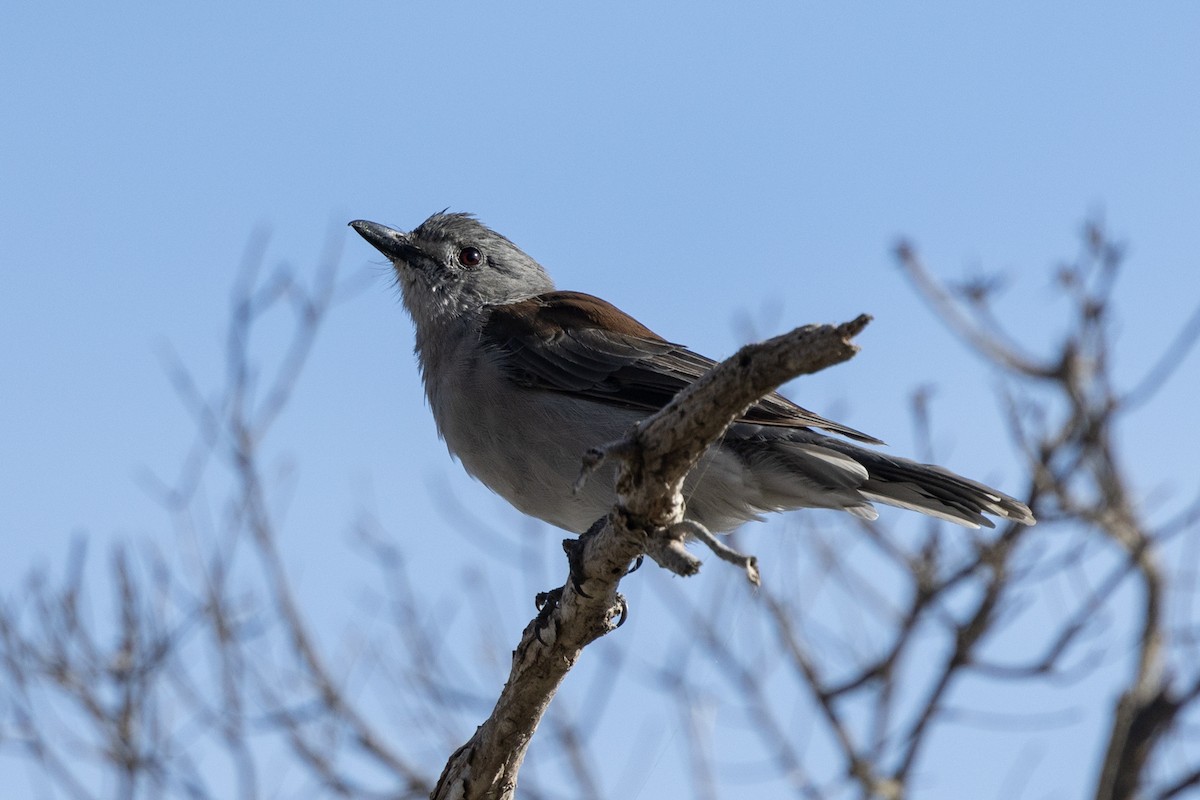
{"x":693,"y":162}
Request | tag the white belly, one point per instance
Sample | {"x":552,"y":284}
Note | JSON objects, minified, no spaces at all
{"x":528,"y":446}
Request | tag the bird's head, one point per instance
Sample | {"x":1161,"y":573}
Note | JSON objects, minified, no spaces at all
{"x":452,"y":265}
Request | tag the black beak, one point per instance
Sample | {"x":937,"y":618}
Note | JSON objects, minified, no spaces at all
{"x":392,"y":243}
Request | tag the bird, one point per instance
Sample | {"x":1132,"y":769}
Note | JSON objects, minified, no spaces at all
{"x":523,"y":379}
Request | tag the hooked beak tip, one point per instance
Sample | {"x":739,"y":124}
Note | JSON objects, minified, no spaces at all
{"x":392,"y":243}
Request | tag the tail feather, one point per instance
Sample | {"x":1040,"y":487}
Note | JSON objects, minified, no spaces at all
{"x":801,"y":468}
{"x":936,"y":491}
{"x":849,"y":472}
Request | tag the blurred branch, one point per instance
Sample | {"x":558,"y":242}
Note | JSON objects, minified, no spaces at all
{"x":182,"y":671}
{"x":1078,"y":468}
{"x":992,"y":343}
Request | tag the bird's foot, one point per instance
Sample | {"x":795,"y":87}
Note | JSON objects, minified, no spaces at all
{"x":747,"y":562}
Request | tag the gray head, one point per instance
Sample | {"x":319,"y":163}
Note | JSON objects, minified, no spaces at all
{"x":452,"y":265}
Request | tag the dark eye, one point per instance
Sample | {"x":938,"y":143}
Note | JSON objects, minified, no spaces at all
{"x":470,"y":257}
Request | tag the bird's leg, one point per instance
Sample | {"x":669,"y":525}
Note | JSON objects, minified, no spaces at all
{"x":748,"y":563}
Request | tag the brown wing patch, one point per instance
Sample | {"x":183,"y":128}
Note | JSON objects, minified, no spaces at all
{"x":554,"y":313}
{"x":579,"y":344}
